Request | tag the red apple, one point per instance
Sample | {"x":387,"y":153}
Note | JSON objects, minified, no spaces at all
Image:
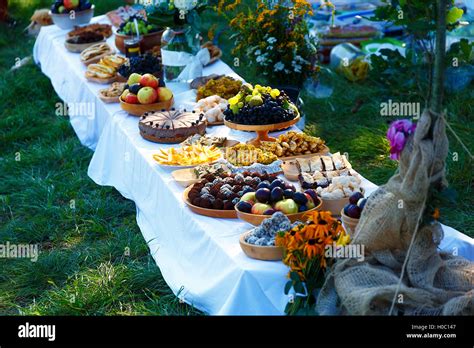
{"x":310,"y":203}
{"x":124,"y":94}
{"x":287,"y":206}
{"x":164,"y":94}
{"x":131,"y":98}
{"x":260,"y":208}
{"x":147,"y":95}
{"x":148,"y":80}
{"x":71,"y":4}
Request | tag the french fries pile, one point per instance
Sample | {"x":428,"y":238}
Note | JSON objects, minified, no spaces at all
{"x":188,"y":155}
{"x":292,"y":144}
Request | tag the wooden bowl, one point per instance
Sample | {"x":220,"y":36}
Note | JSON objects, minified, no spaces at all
{"x":335,"y":205}
{"x":140,"y":109}
{"x":265,"y":253}
{"x":78,"y":48}
{"x":349,"y":223}
{"x":223,"y":214}
{"x":64,"y":20}
{"x":147,"y":42}
{"x":261,"y":130}
{"x":256,"y":220}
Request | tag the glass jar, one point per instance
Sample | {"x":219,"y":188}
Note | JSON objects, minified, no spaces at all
{"x":178,"y":45}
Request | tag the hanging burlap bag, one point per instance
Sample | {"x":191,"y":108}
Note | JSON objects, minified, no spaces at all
{"x":434,"y":283}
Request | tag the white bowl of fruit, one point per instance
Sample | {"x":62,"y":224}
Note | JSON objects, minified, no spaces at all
{"x":143,"y":93}
{"x":67,"y":14}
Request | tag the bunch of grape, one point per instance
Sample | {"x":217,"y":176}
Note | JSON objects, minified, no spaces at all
{"x":259,"y":106}
{"x":146,"y":63}
{"x":128,"y":27}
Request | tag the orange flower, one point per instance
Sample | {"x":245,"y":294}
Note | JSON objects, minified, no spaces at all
{"x":311,"y":248}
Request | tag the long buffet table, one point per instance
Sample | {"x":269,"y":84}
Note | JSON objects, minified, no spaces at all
{"x":199,"y":257}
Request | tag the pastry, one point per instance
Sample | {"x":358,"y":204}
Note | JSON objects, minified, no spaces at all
{"x":245,"y":155}
{"x":95,"y":50}
{"x":100,"y":71}
{"x":114,"y":61}
{"x":293,"y":144}
{"x":104,"y":30}
{"x":213,"y":108}
{"x":172,"y":126}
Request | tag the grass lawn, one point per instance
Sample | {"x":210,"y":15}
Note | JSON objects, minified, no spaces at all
{"x":84,"y":230}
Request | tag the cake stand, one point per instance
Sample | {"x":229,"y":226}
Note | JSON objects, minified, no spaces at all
{"x":262,"y":130}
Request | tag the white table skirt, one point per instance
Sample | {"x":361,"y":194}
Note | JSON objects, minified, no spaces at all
{"x":199,"y":257}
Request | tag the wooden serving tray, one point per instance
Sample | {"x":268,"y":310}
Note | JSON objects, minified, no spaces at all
{"x":140,"y":109}
{"x":256,"y":220}
{"x":78,"y":48}
{"x":223,"y":214}
{"x":264,"y":253}
{"x":109,"y":100}
{"x":262,"y":130}
{"x":211,"y":124}
{"x":101,"y":81}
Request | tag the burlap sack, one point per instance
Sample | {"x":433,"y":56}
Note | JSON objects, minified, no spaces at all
{"x":434,"y":283}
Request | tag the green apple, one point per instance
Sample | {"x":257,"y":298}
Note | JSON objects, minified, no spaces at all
{"x":134,"y":78}
{"x":164,"y":94}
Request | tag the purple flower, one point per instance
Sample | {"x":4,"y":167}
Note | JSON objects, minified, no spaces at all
{"x":397,"y":136}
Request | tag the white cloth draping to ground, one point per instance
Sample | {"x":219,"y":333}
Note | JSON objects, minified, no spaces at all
{"x":199,"y":257}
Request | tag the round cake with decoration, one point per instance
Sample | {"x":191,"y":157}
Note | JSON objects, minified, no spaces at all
{"x":173,"y":126}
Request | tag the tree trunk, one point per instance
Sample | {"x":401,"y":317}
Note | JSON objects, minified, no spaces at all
{"x":436,"y":103}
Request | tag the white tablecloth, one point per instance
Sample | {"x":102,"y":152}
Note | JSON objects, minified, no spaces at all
{"x":199,"y":257}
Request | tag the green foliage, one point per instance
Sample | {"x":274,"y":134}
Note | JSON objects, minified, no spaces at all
{"x":463,"y":51}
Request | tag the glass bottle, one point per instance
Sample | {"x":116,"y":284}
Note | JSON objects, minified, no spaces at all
{"x":177,"y":44}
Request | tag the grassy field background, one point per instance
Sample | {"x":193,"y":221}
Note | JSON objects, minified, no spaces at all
{"x":84,"y":230}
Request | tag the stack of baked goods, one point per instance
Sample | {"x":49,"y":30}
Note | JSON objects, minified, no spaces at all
{"x":294,"y":144}
{"x":95,"y":52}
{"x":105,"y":71}
{"x":213,"y":108}
{"x":173,"y":126}
{"x":105,"y":30}
{"x":82,"y":37}
{"x":319,"y":172}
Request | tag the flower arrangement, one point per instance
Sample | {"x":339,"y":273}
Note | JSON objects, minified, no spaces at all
{"x":305,"y":252}
{"x":397,"y":135}
{"x":168,"y":13}
{"x":274,"y":38}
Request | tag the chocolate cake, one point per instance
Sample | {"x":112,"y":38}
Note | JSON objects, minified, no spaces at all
{"x":171,"y":126}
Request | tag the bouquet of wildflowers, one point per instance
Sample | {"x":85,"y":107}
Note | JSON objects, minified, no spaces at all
{"x":273,"y":38}
{"x":305,"y":252}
